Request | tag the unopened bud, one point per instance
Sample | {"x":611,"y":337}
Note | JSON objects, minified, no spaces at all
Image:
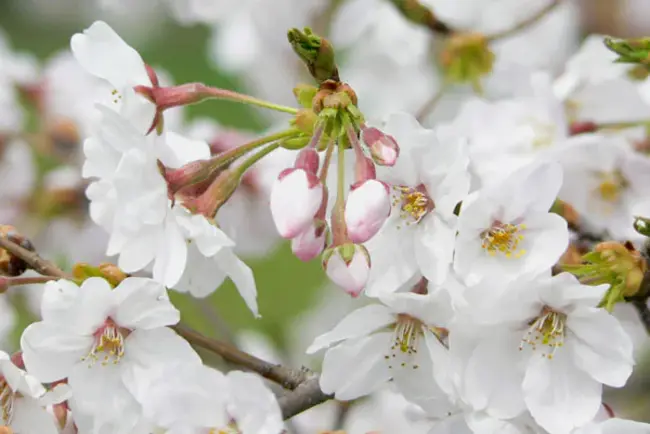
{"x":642,"y":226}
{"x":192,"y":173}
{"x":112,"y":273}
{"x":367,"y":207}
{"x":466,"y":58}
{"x":305,"y":120}
{"x":383,"y":147}
{"x":311,"y":242}
{"x":348,"y":266}
{"x":216,"y":195}
{"x":316,"y":52}
{"x":11,"y":265}
{"x":305,"y":94}
{"x":419,"y":14}
{"x":630,"y":50}
{"x":296,"y":197}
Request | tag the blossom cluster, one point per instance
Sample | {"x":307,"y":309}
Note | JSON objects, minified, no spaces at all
{"x":491,"y":250}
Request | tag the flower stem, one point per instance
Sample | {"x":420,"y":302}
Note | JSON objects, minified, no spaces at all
{"x":191,"y":93}
{"x":327,"y":161}
{"x":246,"y":164}
{"x":525,"y":23}
{"x":7,"y":282}
{"x":227,"y":157}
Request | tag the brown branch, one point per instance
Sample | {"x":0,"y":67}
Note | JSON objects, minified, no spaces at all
{"x":304,"y":397}
{"x":286,"y":377}
{"x":641,"y":307}
{"x":37,"y":263}
{"x":525,"y":23}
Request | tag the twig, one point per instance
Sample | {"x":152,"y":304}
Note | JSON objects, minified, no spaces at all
{"x":525,"y":23}
{"x":431,"y":104}
{"x":39,"y":264}
{"x":286,"y":377}
{"x":304,"y":397}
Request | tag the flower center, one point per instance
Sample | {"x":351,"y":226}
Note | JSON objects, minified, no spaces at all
{"x":543,"y":133}
{"x":7,"y":397}
{"x":407,"y":333}
{"x":546,"y":330}
{"x":108,"y":346}
{"x":611,"y":186}
{"x":414,"y":203}
{"x":503,"y":238}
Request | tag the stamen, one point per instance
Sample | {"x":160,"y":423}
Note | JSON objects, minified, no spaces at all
{"x":7,"y":397}
{"x":108,"y":346}
{"x":546,"y":330}
{"x":414,"y":203}
{"x":116,"y":96}
{"x":408,"y":331}
{"x":503,"y":238}
{"x":611,"y":186}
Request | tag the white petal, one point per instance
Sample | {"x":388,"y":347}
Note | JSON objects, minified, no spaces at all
{"x":434,"y":248}
{"x":241,"y":275}
{"x":602,"y":349}
{"x":50,"y":352}
{"x":143,"y":304}
{"x":171,"y":254}
{"x":159,"y":345}
{"x":139,"y":251}
{"x":560,"y":397}
{"x":255,"y":407}
{"x":180,"y":150}
{"x":104,"y":54}
{"x":358,"y":323}
{"x":356,"y":367}
{"x":30,"y":418}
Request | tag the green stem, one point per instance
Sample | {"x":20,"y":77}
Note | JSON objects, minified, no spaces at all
{"x":431,"y":104}
{"x":525,"y":23}
{"x":246,"y":164}
{"x":192,"y":93}
{"x":227,"y":157}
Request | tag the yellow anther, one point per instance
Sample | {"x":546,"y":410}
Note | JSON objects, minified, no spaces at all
{"x":414,"y":203}
{"x":611,"y":186}
{"x":547,"y":330}
{"x":503,"y":238}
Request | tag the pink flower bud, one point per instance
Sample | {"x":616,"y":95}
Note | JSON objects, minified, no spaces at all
{"x":296,"y":197}
{"x":311,"y":242}
{"x":348,"y":266}
{"x":383,"y":147}
{"x":367,"y":208}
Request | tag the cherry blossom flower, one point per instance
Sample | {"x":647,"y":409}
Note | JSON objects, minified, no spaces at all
{"x":186,"y":397}
{"x":23,"y":400}
{"x":102,"y":53}
{"x":130,"y":200}
{"x":98,"y":337}
{"x":399,"y":339}
{"x":506,"y":230}
{"x":604,"y":180}
{"x":549,"y":350}
{"x":429,"y":179}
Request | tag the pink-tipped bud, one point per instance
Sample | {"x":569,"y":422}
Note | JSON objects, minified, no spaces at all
{"x":307,"y":160}
{"x":311,"y":242}
{"x":383,"y":147}
{"x":348,"y":266}
{"x":296,"y":197}
{"x":367,"y":208}
{"x":192,"y":173}
{"x":217,"y":194}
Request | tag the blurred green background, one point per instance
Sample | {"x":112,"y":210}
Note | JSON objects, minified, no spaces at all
{"x":286,"y":286}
